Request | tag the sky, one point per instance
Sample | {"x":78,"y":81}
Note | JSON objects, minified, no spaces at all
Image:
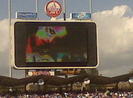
{"x":114,"y":19}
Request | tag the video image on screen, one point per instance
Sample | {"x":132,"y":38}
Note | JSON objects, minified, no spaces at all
{"x":57,"y":44}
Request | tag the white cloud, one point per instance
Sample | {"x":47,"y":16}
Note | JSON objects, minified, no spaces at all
{"x":4,"y":47}
{"x":4,"y":35}
{"x":117,"y":11}
{"x":4,"y":50}
{"x":115,"y":38}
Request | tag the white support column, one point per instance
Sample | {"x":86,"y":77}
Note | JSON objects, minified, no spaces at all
{"x":91,"y":8}
{"x":37,"y":9}
{"x":9,"y":16}
{"x":64,"y":9}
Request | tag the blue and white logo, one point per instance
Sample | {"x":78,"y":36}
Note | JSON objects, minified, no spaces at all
{"x":82,"y":15}
{"x":26,"y":15}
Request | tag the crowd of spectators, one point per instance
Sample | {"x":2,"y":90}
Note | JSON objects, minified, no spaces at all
{"x":96,"y":94}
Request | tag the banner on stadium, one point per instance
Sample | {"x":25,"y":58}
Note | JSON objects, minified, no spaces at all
{"x":35,"y":73}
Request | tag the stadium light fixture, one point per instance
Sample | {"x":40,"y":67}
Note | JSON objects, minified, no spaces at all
{"x":130,"y":80}
{"x":86,"y":81}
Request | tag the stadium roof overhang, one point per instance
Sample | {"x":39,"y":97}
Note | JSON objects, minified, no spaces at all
{"x":58,"y":81}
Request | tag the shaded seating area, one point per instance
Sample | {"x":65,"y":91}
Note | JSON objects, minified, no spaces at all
{"x":58,"y":81}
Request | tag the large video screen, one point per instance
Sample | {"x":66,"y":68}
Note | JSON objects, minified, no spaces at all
{"x":55,"y":44}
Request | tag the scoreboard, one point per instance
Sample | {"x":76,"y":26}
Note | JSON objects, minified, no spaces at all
{"x":54,"y":44}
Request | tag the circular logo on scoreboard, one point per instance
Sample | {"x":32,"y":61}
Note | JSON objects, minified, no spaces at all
{"x":53,"y":8}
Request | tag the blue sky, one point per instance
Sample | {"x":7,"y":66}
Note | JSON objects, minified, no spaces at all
{"x":71,"y":6}
{"x":114,"y":19}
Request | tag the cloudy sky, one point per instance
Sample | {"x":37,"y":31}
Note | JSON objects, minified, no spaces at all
{"x":114,"y":19}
